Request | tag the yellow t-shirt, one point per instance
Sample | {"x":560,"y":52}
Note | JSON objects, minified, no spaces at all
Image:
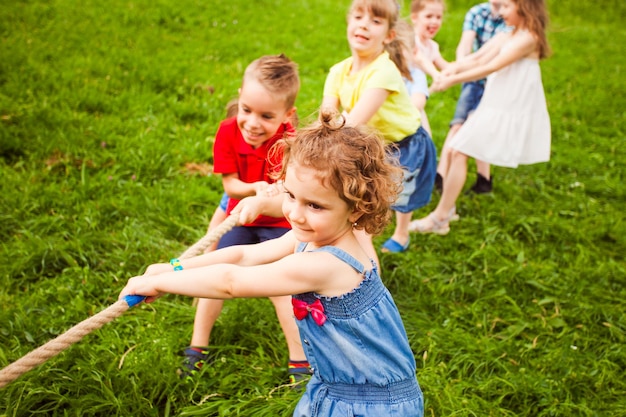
{"x":397,"y":118}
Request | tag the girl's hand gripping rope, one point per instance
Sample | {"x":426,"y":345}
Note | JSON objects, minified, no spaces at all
{"x":143,"y":285}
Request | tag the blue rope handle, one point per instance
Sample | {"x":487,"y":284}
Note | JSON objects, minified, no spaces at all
{"x":133,"y":300}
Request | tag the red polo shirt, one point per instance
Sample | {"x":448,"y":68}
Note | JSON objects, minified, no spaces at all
{"x":231,"y":154}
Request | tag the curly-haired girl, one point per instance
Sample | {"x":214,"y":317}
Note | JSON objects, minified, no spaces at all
{"x":336,"y":179}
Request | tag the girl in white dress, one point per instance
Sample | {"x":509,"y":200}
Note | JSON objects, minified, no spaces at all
{"x":511,"y":125}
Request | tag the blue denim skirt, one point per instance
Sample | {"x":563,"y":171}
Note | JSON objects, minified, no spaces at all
{"x":418,"y":157}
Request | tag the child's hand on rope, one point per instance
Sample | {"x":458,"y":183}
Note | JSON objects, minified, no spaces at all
{"x":264,"y":189}
{"x":260,"y":187}
{"x":141,"y":285}
{"x":250,"y":208}
{"x":272,"y":190}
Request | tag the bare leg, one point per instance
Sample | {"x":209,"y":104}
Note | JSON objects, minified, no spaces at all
{"x":197,"y":354}
{"x":401,"y":233}
{"x":444,"y":158}
{"x":284,"y":312}
{"x":437,"y":221}
{"x":483,"y":168}
{"x":207,"y":312}
{"x":453,"y":184}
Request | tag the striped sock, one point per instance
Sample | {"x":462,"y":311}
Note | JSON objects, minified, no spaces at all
{"x":299,"y":365}
{"x":298,"y":370}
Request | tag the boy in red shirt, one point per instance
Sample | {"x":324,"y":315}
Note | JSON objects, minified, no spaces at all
{"x":241,"y":153}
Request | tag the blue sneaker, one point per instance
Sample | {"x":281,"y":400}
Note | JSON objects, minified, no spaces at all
{"x":195,"y":358}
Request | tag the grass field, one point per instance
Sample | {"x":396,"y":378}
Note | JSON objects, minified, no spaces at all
{"x":108,"y":108}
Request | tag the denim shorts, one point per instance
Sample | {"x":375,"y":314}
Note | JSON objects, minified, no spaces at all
{"x":246,"y":235}
{"x":471,"y":93}
{"x":418,"y":157}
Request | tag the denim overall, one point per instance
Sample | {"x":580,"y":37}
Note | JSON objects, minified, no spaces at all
{"x":361,"y":359}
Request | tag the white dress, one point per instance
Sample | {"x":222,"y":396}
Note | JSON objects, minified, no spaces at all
{"x":511,"y":125}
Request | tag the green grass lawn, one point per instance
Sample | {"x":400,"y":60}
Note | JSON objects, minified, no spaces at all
{"x":519,"y":311}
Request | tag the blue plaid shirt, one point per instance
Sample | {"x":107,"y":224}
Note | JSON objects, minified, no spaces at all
{"x":480,"y":20}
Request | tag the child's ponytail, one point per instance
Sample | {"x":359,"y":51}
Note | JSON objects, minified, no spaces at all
{"x":396,"y":50}
{"x":402,"y":48}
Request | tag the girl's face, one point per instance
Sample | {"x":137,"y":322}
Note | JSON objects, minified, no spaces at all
{"x":427,"y":21}
{"x":367,"y":34}
{"x":316,"y":212}
{"x":509,"y":12}
{"x":260,"y":113}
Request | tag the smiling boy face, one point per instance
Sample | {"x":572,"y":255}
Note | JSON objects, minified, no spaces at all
{"x":260,"y":113}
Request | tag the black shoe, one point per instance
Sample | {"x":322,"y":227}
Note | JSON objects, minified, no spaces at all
{"x":439,"y":183}
{"x":482,"y":185}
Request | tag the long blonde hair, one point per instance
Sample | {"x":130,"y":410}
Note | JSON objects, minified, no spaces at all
{"x":406,"y":42}
{"x":535,"y":15}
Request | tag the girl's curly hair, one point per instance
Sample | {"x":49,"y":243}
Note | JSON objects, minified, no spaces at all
{"x":352,"y":160}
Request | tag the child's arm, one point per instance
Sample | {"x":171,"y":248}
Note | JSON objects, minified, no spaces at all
{"x":425,"y":64}
{"x":466,"y":42}
{"x":286,"y":274}
{"x":431,"y":64}
{"x":441,"y":63}
{"x":425,"y":123}
{"x":370,"y":101}
{"x":418,"y":90}
{"x":520,"y":47}
{"x":330,"y":102}
{"x":237,"y":189}
{"x":243,"y":255}
{"x":252,"y":207}
{"x":489,"y":51}
{"x":419,"y":100}
{"x":368,"y":104}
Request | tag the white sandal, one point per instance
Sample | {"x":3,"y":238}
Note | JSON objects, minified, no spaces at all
{"x":453,"y":216}
{"x":439,"y":227}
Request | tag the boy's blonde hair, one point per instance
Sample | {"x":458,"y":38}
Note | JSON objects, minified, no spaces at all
{"x":389,"y":10}
{"x":278,"y":74}
{"x":351,"y":160}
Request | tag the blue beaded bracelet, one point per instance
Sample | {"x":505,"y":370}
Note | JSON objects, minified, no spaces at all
{"x":176,"y":264}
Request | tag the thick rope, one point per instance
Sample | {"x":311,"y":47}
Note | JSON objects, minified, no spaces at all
{"x":211,"y":237}
{"x":76,"y":333}
{"x":61,"y":342}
